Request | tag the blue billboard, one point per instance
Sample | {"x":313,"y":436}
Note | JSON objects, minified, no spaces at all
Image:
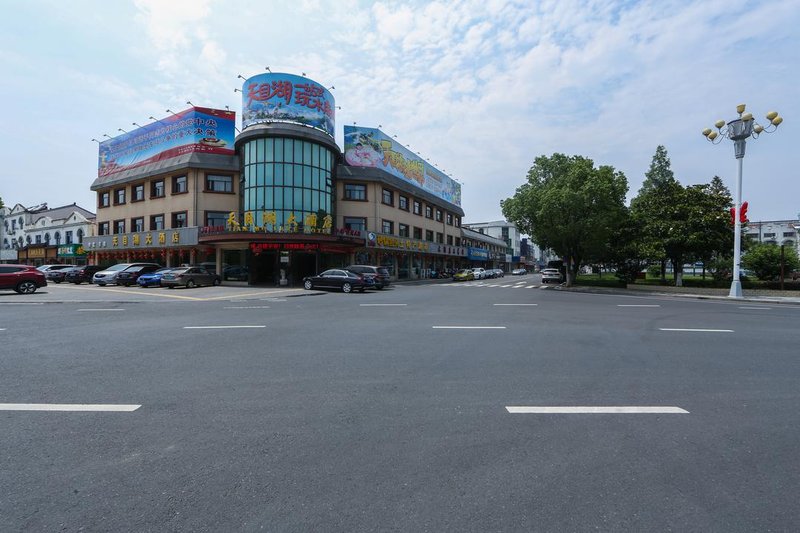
{"x":277,"y":97}
{"x":370,"y":147}
{"x":197,"y":129}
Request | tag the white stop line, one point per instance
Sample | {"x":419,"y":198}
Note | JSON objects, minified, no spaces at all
{"x":610,"y":409}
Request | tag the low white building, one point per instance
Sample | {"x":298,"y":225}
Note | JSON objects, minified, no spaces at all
{"x":780,"y":232}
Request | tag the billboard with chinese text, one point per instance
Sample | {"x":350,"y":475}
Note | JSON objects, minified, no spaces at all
{"x":276,"y":97}
{"x":197,"y":129}
{"x":370,"y":147}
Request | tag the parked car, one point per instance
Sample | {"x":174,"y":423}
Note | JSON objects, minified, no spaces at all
{"x":551,"y":274}
{"x":464,"y":275}
{"x":45,"y":268}
{"x":109,"y":275}
{"x":24,"y":279}
{"x":57,"y":275}
{"x":129,"y":276}
{"x":80,"y":274}
{"x":519,"y":272}
{"x":335,"y":278}
{"x":380,"y":275}
{"x":235,"y":273}
{"x":479,"y":273}
{"x":188,"y":277}
{"x":498,"y":273}
{"x":152,"y":279}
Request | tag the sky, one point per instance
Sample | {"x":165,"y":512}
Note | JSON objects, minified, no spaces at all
{"x":479,"y":88}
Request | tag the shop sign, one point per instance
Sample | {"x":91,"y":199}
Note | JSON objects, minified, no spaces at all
{"x":197,"y":129}
{"x":169,"y":238}
{"x":388,"y":241}
{"x":70,"y":250}
{"x":36,"y":253}
{"x":258,"y":247}
{"x":277,"y":97}
{"x":312,"y":224}
{"x":445,"y":249}
{"x":477,"y":254}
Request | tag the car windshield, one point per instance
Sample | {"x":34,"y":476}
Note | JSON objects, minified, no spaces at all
{"x":121,"y":266}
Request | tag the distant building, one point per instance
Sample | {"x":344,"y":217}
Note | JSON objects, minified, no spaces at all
{"x":39,"y":235}
{"x":780,"y":232}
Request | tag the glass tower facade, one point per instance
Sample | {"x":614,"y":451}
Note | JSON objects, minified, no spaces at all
{"x":287,"y":177}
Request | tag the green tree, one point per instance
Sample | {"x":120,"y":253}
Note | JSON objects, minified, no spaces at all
{"x":569,"y":206}
{"x":765,"y":260}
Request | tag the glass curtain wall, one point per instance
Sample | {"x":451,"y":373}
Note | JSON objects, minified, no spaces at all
{"x":288,"y":177}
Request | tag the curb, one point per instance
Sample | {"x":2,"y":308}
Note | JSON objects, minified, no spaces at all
{"x":625,"y":292}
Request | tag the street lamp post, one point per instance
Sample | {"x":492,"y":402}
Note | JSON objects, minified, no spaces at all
{"x":738,"y":130}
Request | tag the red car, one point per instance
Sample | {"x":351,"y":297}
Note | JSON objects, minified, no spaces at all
{"x":24,"y":279}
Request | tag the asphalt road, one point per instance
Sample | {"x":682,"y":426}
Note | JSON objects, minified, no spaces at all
{"x":298,"y":411}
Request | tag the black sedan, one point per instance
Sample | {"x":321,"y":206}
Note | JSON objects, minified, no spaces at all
{"x":189,"y":277}
{"x":341,"y":279}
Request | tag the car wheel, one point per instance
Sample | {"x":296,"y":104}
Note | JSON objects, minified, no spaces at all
{"x":379,"y":287}
{"x":191,"y":284}
{"x":26,"y":287}
{"x":169,"y":286}
{"x":76,"y":282}
{"x":56,"y":282}
{"x":346,"y":287}
{"x":216,"y":282}
{"x":308,"y":285}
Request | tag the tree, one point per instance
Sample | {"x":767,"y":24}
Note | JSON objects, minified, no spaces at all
{"x":660,"y":172}
{"x":765,"y":260}
{"x":569,"y":206}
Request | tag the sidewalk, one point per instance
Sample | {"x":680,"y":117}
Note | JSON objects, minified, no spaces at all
{"x":775,"y":297}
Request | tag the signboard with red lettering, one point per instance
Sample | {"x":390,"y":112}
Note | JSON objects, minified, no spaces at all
{"x":370,"y":147}
{"x":197,"y":129}
{"x":276,"y":97}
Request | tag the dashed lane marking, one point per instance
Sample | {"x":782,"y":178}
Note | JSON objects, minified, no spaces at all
{"x":100,"y":407}
{"x":610,"y":409}
{"x":698,"y":330}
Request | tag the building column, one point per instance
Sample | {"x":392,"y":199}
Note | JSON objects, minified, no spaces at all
{"x":218,"y":260}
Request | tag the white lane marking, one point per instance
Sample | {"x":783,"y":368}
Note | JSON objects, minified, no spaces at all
{"x":67,"y":407}
{"x":698,"y":330}
{"x":382,"y":305}
{"x":2,"y":329}
{"x":247,"y":307}
{"x":504,"y":286}
{"x":531,"y":286}
{"x":519,"y":286}
{"x":621,"y":409}
{"x":638,"y":305}
{"x":493,"y":285}
{"x":273,"y":299}
{"x":759,"y":308}
{"x":516,"y":304}
{"x":97,"y":309}
{"x":469,"y":327}
{"x":22,"y":303}
{"x":221,"y":327}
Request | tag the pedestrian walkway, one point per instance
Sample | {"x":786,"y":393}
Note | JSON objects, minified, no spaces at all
{"x":500,"y":284}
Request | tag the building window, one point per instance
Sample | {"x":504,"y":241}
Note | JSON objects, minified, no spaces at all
{"x":458,"y":241}
{"x":137,"y":193}
{"x":438,"y":215}
{"x":80,"y":236}
{"x":179,"y":185}
{"x":119,"y":227}
{"x":440,"y":238}
{"x":38,"y":239}
{"x":428,"y":211}
{"x":156,"y":222}
{"x":403,"y":203}
{"x":418,"y":233}
{"x":217,"y":183}
{"x":216,"y":218}
{"x":387,"y":227}
{"x":417,"y":208}
{"x":788,"y":234}
{"x":403,"y":230}
{"x":47,"y":238}
{"x":58,"y":234}
{"x":355,"y":223}
{"x":119,"y":196}
{"x":449,"y":240}
{"x":103,"y":200}
{"x":179,"y":220}
{"x":157,"y":189}
{"x":387,"y":197}
{"x":449,"y":219}
{"x":137,"y":224}
{"x":68,"y":236}
{"x":353,"y":191}
{"x":429,"y":235}
{"x":769,"y":235}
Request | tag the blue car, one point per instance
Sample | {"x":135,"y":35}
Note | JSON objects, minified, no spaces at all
{"x":152,"y":279}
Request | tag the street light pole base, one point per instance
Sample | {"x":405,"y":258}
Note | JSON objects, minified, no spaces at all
{"x":736,"y":290}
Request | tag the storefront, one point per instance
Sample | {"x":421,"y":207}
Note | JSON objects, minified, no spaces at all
{"x":409,"y":258}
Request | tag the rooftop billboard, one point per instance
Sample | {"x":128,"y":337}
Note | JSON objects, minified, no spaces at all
{"x":370,"y":147}
{"x":277,"y":97}
{"x":197,"y":129}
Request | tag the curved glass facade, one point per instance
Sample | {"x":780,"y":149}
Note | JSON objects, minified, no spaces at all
{"x":286,"y":177}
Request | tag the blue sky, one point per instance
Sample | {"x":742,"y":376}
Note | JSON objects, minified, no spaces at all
{"x":479,"y":88}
